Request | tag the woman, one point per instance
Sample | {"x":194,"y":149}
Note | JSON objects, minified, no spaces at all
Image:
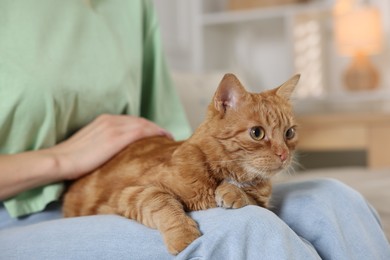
{"x":98,"y":66}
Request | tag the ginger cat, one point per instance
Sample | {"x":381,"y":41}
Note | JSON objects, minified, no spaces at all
{"x":228,"y":162}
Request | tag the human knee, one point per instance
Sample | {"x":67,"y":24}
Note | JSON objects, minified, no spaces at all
{"x":324,"y":194}
{"x":237,"y":233}
{"x":334,"y":190}
{"x":252,"y":218}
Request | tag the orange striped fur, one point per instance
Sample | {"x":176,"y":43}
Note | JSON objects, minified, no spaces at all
{"x":225,"y":163}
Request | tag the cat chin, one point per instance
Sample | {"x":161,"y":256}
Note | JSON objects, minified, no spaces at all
{"x":256,"y":174}
{"x":241,"y":184}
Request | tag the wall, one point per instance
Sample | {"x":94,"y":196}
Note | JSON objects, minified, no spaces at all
{"x":264,"y":51}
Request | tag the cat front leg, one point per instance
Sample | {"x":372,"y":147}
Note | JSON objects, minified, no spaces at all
{"x":261,"y":193}
{"x":228,"y":195}
{"x":156,"y":208}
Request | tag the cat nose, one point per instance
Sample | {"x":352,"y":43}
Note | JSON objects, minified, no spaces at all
{"x":282,"y":155}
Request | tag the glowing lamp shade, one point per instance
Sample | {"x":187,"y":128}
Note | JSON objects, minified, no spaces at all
{"x":358,"y":33}
{"x":359,"y":30}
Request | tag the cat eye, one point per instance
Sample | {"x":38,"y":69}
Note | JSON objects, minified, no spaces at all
{"x":290,"y":133}
{"x":257,"y":133}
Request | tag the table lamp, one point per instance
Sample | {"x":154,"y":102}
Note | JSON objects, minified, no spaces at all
{"x":358,"y":33}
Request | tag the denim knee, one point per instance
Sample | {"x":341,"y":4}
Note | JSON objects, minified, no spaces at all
{"x":318,"y":193}
{"x":251,"y":232}
{"x":334,"y":189}
{"x":246,"y":218}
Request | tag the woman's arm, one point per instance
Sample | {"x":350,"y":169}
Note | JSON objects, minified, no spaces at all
{"x":83,"y":152}
{"x":25,"y":171}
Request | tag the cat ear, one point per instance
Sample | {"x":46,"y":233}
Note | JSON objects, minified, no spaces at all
{"x":228,"y":94}
{"x":287,"y":88}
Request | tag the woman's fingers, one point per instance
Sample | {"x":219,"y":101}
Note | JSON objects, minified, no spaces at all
{"x":100,"y":140}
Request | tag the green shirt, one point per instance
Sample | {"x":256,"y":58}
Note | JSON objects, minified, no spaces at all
{"x":63,"y":63}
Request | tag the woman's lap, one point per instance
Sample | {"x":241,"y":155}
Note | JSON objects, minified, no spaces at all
{"x":314,"y":211}
{"x":336,"y":219}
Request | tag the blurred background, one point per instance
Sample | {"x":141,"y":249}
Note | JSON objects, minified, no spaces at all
{"x":341,"y":48}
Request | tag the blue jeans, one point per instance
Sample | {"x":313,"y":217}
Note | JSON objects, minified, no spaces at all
{"x":308,"y":220}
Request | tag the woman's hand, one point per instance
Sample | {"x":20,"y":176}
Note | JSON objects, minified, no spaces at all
{"x":99,"y":141}
{"x":82,"y":153}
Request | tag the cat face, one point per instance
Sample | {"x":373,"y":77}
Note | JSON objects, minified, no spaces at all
{"x":257,"y":131}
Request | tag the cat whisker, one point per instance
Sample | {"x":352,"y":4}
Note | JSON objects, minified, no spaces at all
{"x":290,"y":170}
{"x":295,"y":161}
{"x":295,"y":164}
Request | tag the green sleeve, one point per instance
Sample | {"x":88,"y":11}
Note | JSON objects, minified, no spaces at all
{"x":160,"y":102}
{"x":92,"y":60}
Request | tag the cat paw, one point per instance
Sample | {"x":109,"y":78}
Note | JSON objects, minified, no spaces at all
{"x":177,"y":239}
{"x":231,"y":197}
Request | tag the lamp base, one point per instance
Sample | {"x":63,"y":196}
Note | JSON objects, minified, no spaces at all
{"x":361,"y":74}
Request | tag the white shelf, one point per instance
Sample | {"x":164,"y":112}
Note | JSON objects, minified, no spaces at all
{"x":256,"y":44}
{"x":353,"y":102}
{"x":230,"y":17}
